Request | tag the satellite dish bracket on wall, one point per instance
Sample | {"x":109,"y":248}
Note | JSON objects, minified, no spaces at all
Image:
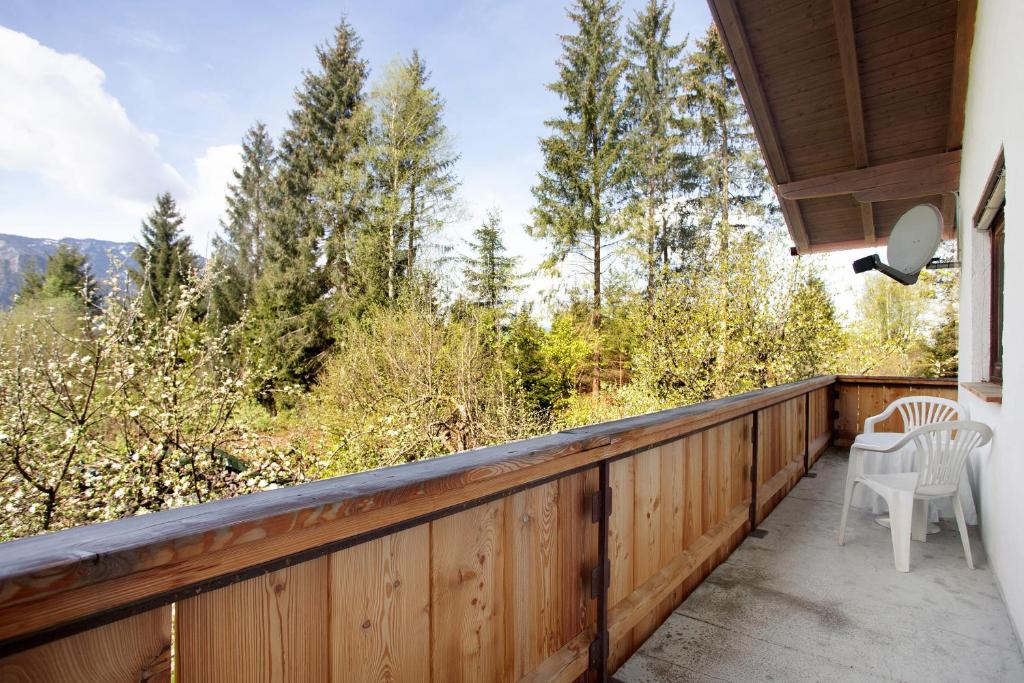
{"x":912,"y":245}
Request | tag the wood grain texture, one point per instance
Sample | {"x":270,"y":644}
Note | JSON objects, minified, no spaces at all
{"x":380,"y":608}
{"x":835,"y":86}
{"x":930,"y":174}
{"x":534,"y":598}
{"x":133,"y":650}
{"x":272,"y":628}
{"x":780,"y":452}
{"x":469,"y":616}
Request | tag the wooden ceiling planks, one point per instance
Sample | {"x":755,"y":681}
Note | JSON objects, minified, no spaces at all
{"x":838,"y":85}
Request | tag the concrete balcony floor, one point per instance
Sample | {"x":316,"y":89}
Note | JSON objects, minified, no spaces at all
{"x":795,"y":606}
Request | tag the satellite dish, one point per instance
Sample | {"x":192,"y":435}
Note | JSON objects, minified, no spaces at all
{"x":912,"y":245}
{"x":914,"y":238}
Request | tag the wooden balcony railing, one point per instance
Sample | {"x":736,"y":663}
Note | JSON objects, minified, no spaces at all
{"x":547,"y":559}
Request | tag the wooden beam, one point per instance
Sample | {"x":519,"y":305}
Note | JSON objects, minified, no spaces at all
{"x":965,"y":13}
{"x":867,"y":219}
{"x":851,"y":79}
{"x":920,"y":176}
{"x":948,"y":216}
{"x":730,"y":27}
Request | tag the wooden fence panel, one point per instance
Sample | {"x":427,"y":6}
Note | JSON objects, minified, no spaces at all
{"x":862,"y":397}
{"x":271,"y":628}
{"x":499,"y":590}
{"x":380,"y":608}
{"x":780,"y":452}
{"x":131,"y":650}
{"x":678,"y":510}
{"x":820,"y":423}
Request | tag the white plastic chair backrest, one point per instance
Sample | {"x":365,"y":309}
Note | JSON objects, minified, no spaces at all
{"x":918,"y":411}
{"x":942,"y":450}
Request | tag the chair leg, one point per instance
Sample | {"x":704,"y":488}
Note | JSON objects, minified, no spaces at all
{"x":961,"y":524}
{"x":920,"y":524}
{"x":901,"y":513}
{"x":851,"y":481}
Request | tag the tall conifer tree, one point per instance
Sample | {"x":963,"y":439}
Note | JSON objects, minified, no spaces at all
{"x":290,"y":324}
{"x":583,"y":181}
{"x":490,"y":273}
{"x":412,"y":167}
{"x":659,"y":167}
{"x":732,"y":176}
{"x":238,"y":255}
{"x":164,"y":259}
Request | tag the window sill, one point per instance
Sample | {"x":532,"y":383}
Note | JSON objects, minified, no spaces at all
{"x":989,"y":392}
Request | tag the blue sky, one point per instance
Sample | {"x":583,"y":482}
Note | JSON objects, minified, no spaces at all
{"x":107,"y":103}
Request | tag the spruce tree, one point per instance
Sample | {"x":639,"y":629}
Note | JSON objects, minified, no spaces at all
{"x":490,"y":273}
{"x":238,"y":254}
{"x":164,"y":259}
{"x":583,"y":181}
{"x":658,"y":165}
{"x":290,"y":327}
{"x":67,"y":274}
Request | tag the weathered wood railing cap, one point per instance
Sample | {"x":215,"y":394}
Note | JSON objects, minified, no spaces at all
{"x":56,"y":578}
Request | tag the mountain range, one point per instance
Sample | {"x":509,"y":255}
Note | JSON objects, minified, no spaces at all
{"x":18,"y":253}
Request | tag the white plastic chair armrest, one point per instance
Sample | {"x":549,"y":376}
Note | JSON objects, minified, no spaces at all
{"x":891,"y":448}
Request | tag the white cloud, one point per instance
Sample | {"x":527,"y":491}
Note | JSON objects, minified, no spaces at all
{"x":204,"y":205}
{"x":94,"y":172}
{"x":57,"y":121}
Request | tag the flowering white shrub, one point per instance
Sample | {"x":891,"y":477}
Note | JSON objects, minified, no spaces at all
{"x":105,"y":413}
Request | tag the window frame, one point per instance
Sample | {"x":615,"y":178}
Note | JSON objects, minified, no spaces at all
{"x":996,"y":299}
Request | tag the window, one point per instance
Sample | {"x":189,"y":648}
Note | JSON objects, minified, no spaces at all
{"x":995,"y":368}
{"x":989,"y":216}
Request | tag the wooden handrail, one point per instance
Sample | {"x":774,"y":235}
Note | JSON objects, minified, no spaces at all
{"x":135,"y":563}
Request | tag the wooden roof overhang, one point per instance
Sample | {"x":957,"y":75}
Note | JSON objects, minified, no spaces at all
{"x":858,"y":106}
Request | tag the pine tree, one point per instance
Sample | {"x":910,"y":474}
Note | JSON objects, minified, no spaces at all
{"x":164,"y":257}
{"x":67,"y":274}
{"x":490,"y":273}
{"x":291,"y":326}
{"x":658,"y":165}
{"x":583,"y":181}
{"x":412,"y":167}
{"x":238,"y":255}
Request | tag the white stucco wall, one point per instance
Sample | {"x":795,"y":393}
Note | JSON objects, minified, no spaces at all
{"x":994,"y":119}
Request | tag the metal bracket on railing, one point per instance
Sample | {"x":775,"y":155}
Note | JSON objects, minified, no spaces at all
{"x":600,"y":501}
{"x":596,"y":575}
{"x":601,"y":575}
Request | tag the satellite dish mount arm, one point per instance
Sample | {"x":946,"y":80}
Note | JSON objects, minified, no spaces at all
{"x":873,"y":262}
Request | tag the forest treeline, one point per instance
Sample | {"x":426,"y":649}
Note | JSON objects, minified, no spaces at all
{"x":336,"y":328}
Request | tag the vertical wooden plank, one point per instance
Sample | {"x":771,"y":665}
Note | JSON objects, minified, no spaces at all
{"x":137,"y":648}
{"x":270,"y":628}
{"x":672,"y":502}
{"x":380,"y":608}
{"x":577,"y":553}
{"x":468,"y":617}
{"x":620,"y":546}
{"x":647,"y":519}
{"x":848,"y":421}
{"x":532,"y":576}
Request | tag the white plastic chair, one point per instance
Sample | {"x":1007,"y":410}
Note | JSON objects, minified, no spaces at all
{"x":942,"y":451}
{"x":918,"y":411}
